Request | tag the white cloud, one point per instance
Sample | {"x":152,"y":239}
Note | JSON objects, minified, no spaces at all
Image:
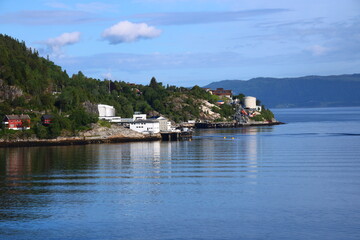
{"x":56,"y":44}
{"x":318,"y":50}
{"x":126,"y":31}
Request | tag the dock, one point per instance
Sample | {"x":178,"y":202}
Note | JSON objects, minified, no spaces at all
{"x":234,"y":124}
{"x":175,"y":136}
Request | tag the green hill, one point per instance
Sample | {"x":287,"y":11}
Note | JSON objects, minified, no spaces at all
{"x":30,"y":84}
{"x":309,"y":91}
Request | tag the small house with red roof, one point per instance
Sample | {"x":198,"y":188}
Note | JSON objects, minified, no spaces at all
{"x":17,"y":122}
{"x":222,"y":92}
{"x":46,"y":119}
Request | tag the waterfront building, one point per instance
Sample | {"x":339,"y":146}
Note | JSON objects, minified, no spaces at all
{"x":165,"y":124}
{"x":145,"y":126}
{"x":17,"y":122}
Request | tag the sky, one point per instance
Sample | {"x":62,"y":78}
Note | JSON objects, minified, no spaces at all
{"x":190,"y":42}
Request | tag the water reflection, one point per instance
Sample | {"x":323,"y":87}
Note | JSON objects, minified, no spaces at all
{"x":30,"y":175}
{"x":16,"y":188}
{"x":36,"y":178}
{"x":238,"y":149}
{"x":133,"y":155}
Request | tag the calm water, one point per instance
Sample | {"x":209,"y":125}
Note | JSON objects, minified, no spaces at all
{"x":295,"y":181}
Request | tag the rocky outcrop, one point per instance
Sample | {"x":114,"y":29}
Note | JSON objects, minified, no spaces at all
{"x":9,"y":93}
{"x":115,"y":131}
{"x":91,"y":108}
{"x":206,"y":113}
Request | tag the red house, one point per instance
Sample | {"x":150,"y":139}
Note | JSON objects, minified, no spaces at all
{"x":46,"y":119}
{"x":17,"y":122}
{"x":222,"y":93}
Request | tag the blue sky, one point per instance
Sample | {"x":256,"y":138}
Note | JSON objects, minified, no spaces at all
{"x":189,"y":42}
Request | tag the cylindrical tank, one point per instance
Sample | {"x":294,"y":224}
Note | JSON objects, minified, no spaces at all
{"x":110,"y":111}
{"x":102,"y":110}
{"x":106,"y":110}
{"x":250,"y":102}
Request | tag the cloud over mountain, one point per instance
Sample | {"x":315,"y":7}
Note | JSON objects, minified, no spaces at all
{"x":56,"y":44}
{"x":126,"y":31}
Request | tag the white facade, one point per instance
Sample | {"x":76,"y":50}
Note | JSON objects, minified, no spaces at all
{"x":165,"y":125}
{"x":145,"y":126}
{"x":112,"y":119}
{"x":106,"y":110}
{"x":250,"y":102}
{"x":139,"y":116}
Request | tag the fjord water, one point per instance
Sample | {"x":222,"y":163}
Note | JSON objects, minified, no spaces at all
{"x":295,"y":181}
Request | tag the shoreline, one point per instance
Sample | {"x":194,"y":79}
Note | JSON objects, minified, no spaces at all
{"x":74,"y":141}
{"x":234,"y":125}
{"x":84,"y":140}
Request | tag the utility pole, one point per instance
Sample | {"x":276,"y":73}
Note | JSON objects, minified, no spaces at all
{"x":109,"y":86}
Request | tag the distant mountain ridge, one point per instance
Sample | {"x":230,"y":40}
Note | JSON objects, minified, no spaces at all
{"x":308,"y":91}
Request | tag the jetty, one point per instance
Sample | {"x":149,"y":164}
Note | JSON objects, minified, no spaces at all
{"x":235,"y":124}
{"x":175,"y":136}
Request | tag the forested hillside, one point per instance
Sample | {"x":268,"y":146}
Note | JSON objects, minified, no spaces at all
{"x":30,"y":84}
{"x":310,"y":91}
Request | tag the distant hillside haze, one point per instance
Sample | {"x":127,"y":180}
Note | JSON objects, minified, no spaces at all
{"x":309,"y":91}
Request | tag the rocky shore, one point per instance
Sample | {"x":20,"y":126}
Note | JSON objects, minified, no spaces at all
{"x":97,"y":134}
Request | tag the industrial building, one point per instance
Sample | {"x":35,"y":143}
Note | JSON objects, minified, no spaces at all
{"x":165,"y":124}
{"x":145,"y":126}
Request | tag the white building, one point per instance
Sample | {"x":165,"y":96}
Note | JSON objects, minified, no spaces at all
{"x":145,"y":126}
{"x":165,"y":124}
{"x":139,"y":116}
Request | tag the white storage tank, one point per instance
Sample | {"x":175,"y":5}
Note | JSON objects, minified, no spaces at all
{"x":106,"y":110}
{"x":102,"y":110}
{"x":250,"y":102}
{"x":110,"y":111}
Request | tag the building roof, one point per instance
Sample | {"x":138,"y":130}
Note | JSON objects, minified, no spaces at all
{"x":222,"y":92}
{"x":47,"y":116}
{"x":15,"y":117}
{"x":145,"y":121}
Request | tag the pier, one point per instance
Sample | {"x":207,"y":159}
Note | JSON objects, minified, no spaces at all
{"x":175,"y":136}
{"x":234,"y":124}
